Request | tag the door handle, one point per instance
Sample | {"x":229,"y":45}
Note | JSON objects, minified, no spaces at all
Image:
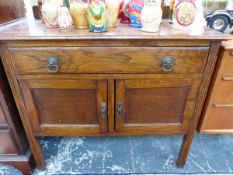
{"x":119,"y":109}
{"x":104,"y":109}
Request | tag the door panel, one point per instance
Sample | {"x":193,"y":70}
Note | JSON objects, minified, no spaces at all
{"x":3,"y":122}
{"x":66,"y":104}
{"x":7,"y":144}
{"x":157,"y":105}
{"x":152,"y":105}
{"x":52,"y":111}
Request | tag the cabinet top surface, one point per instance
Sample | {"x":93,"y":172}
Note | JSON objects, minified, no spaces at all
{"x":34,"y":30}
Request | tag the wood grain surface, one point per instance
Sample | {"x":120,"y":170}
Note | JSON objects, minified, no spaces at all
{"x":109,"y":59}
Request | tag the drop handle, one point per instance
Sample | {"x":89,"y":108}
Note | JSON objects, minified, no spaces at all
{"x":119,"y":109}
{"x":104,"y":109}
{"x":53,"y":65}
{"x":167,"y":64}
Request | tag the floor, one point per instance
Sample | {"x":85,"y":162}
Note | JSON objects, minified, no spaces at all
{"x":130,"y":155}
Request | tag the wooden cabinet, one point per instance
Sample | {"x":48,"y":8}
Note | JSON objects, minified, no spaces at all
{"x":217,"y":116}
{"x":14,"y":148}
{"x":124,"y":82}
{"x":11,"y":10}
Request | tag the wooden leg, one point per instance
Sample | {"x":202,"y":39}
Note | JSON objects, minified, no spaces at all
{"x":37,"y":153}
{"x":187,"y":141}
{"x":184,"y":150}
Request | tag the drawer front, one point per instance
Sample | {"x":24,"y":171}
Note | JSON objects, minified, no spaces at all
{"x":220,"y":118}
{"x":227,"y":62}
{"x":7,"y":143}
{"x":109,"y":60}
{"x":224,"y":92}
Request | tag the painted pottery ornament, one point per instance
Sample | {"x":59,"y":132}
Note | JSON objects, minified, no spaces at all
{"x":49,"y":12}
{"x":135,"y":8}
{"x":78,"y":11}
{"x":112,"y":12}
{"x":151,"y":15}
{"x":184,"y":14}
{"x":64,"y":18}
{"x":97,"y":16}
{"x":124,"y":12}
{"x":172,"y":4}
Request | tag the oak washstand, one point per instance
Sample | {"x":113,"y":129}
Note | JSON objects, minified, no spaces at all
{"x":123,"y":82}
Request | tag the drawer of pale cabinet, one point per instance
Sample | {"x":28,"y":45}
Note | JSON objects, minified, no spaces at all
{"x":42,"y":60}
{"x":227,"y":63}
{"x":224,"y":91}
{"x":219,"y":118}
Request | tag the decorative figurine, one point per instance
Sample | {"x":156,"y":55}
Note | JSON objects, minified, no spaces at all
{"x":184,"y":14}
{"x":172,"y":4}
{"x":50,"y":12}
{"x":97,"y":16}
{"x":124,"y":12}
{"x":78,"y":11}
{"x":151,"y":15}
{"x":112,"y":12}
{"x":135,"y":8}
{"x":64,"y":18}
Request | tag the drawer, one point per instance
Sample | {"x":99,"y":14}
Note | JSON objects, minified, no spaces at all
{"x":224,"y":92}
{"x":109,"y":60}
{"x":7,"y":143}
{"x":220,"y":118}
{"x":227,"y":63}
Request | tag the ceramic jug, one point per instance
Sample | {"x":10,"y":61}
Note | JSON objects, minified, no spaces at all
{"x":151,"y":15}
{"x":64,"y":18}
{"x":78,"y":11}
{"x":135,"y":8}
{"x":112,"y":12}
{"x":49,"y":12}
{"x":184,"y":14}
{"x":124,"y":12}
{"x":97,"y":16}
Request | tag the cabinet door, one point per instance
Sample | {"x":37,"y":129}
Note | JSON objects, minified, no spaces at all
{"x":155,"y":105}
{"x":66,"y":107}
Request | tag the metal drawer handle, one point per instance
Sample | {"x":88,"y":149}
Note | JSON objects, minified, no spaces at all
{"x":53,"y":65}
{"x":168,"y":64}
{"x":104,"y":109}
{"x":119,"y":109}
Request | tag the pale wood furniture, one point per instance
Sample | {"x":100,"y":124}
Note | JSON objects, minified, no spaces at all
{"x":123,"y":82}
{"x":217,"y":116}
